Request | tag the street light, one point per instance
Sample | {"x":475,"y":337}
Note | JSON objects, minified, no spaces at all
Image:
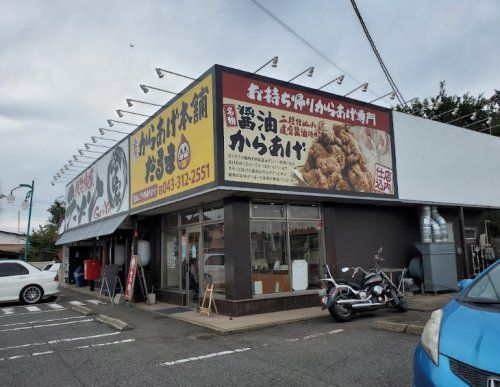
{"x":75,"y":157}
{"x":103,"y":131}
{"x":130,"y":104}
{"x":274,"y":63}
{"x":85,"y":150}
{"x":453,"y":111}
{"x":110,"y":123}
{"x":472,"y":117}
{"x":87,"y":146}
{"x":161,"y":75}
{"x":392,"y":96}
{"x":487,"y":120}
{"x":25,"y":204}
{"x":309,"y":72}
{"x":146,"y":88}
{"x":78,"y":161}
{"x":94,"y":139}
{"x":120,"y":113}
{"x":363,"y":88}
{"x":339,"y":80}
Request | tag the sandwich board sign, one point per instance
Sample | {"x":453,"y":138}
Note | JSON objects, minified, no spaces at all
{"x":110,"y":281}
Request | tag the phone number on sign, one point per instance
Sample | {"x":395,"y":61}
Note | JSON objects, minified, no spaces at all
{"x":187,"y":178}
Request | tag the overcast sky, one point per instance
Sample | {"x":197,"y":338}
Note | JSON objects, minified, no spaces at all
{"x":65,"y":66}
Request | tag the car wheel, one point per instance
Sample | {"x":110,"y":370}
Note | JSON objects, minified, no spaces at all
{"x":31,"y":294}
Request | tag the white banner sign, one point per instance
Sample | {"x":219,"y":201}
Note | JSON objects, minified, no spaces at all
{"x":101,"y":190}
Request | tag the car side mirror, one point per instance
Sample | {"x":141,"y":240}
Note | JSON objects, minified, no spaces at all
{"x":462,"y":284}
{"x":345,"y":269}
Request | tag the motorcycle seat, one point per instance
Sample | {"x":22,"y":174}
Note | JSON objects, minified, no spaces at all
{"x":353,"y":285}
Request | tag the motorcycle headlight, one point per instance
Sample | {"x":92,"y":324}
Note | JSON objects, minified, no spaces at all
{"x":430,"y":335}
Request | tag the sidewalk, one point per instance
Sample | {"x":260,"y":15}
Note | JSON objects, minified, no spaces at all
{"x":420,"y":307}
{"x":225,"y":324}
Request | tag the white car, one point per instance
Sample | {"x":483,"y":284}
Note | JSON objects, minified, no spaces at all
{"x":21,"y":281}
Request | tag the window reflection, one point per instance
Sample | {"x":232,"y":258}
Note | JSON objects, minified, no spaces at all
{"x":214,"y":257}
{"x":304,"y":253}
{"x":270,"y":269}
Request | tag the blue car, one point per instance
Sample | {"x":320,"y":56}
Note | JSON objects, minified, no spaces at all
{"x":460,"y":344}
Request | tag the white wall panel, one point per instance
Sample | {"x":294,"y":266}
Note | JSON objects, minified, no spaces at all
{"x":442,"y":163}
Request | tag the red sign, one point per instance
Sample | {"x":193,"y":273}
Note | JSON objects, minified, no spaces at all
{"x":253,"y":91}
{"x":132,"y":270}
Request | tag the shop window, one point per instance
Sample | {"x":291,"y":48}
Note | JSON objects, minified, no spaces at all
{"x":173,"y":262}
{"x":172,"y":220}
{"x":270,"y":211}
{"x":211,"y":214}
{"x":190,"y":217}
{"x":270,"y":269}
{"x":304,"y":254}
{"x":213,"y":257}
{"x":304,"y":212}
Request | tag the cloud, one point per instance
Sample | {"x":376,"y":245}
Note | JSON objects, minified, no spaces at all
{"x":66,"y":66}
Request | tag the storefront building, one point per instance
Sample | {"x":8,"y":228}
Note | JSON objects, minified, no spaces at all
{"x":253,"y":184}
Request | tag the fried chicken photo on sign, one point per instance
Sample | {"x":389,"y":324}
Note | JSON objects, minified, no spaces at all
{"x":336,"y":162}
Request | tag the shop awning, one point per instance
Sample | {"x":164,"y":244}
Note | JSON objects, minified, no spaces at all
{"x":104,"y":227}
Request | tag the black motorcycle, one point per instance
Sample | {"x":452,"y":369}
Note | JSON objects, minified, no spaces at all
{"x":344,"y":298}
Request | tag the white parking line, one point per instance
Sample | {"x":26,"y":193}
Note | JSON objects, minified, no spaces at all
{"x":41,"y":321}
{"x":23,"y":314}
{"x":33,"y":308}
{"x":55,"y":306}
{"x":46,"y":325}
{"x":77,"y":303}
{"x":95,"y":302}
{"x":60,"y":341}
{"x":207,"y":356}
{"x":106,"y":344}
{"x":315,"y":335}
{"x":32,"y":354}
{"x":7,"y":311}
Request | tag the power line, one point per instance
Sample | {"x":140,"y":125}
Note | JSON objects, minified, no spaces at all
{"x":377,"y":54}
{"x":307,"y":43}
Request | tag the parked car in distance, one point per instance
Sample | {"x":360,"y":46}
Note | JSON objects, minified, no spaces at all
{"x":21,"y":281}
{"x":54,"y":267}
{"x":460,"y":343}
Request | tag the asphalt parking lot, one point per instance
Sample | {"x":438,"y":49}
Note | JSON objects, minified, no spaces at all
{"x":57,"y":346}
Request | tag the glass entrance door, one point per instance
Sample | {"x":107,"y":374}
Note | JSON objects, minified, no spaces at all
{"x":190,"y":244}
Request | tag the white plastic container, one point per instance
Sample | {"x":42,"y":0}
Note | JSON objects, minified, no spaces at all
{"x":257,"y":287}
{"x":300,"y":273}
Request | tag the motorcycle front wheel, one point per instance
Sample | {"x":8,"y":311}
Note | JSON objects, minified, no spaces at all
{"x":341,"y":313}
{"x":399,"y":302}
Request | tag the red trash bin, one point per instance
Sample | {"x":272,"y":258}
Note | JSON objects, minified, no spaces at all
{"x":92,"y":269}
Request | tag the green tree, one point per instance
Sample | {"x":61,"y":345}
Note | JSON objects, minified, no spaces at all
{"x":441,"y":106}
{"x":42,"y":247}
{"x":42,"y":240}
{"x":56,"y":211}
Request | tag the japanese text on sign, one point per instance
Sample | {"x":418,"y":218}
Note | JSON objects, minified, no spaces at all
{"x":174,"y":151}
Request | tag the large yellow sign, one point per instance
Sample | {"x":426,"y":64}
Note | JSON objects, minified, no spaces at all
{"x":174,"y":152}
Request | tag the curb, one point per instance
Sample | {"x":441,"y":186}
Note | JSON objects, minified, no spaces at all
{"x":230,"y":331}
{"x":409,"y":329}
{"x":113,"y":322}
{"x":83,"y":310}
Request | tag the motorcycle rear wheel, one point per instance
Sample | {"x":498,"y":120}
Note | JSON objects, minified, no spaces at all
{"x":340,"y":313}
